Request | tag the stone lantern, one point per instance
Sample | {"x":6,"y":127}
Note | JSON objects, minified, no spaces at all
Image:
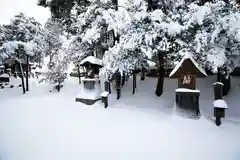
{"x":91,"y":90}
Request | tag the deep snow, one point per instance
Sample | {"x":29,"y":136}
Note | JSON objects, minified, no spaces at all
{"x":47,"y":126}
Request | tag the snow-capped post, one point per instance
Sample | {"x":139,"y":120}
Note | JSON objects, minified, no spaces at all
{"x":219,"y":110}
{"x":218,"y":90}
{"x":104,"y":96}
{"x":187,"y":96}
{"x":118,"y":84}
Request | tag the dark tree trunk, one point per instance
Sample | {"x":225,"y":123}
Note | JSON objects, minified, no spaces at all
{"x":22,"y":77}
{"x":59,"y":87}
{"x":115,"y":2}
{"x":134,"y":82}
{"x":27,"y":71}
{"x":225,"y":79}
{"x":149,"y":2}
{"x":118,"y":84}
{"x":79,"y":76}
{"x":106,"y":86}
{"x":109,"y":87}
{"x":161,"y":72}
{"x":142,"y":74}
{"x":123,"y":78}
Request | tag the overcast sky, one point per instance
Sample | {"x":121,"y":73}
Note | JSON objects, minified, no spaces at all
{"x":8,"y":8}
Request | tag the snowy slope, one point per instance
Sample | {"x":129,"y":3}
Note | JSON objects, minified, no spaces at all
{"x":46,"y":126}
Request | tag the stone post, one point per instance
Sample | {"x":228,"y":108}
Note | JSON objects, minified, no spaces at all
{"x":218,"y":90}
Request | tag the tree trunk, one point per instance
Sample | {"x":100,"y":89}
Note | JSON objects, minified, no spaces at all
{"x":123,"y":78}
{"x":22,"y":77}
{"x":79,"y":76}
{"x":222,"y":76}
{"x":59,"y":86}
{"x":161,"y":72}
{"x":149,"y":5}
{"x":134,"y":82}
{"x":109,"y":87}
{"x":142,"y":74}
{"x":27,"y":71}
{"x":118,"y":84}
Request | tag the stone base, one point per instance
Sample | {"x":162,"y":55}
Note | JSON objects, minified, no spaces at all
{"x":187,"y":103}
{"x":90,"y":92}
{"x":86,"y":101}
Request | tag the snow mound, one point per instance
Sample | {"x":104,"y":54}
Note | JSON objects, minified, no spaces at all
{"x":220,"y":104}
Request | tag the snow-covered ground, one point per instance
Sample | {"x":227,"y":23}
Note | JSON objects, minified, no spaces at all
{"x":52,"y":126}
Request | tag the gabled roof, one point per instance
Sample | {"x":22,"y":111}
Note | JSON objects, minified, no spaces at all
{"x":178,"y":67}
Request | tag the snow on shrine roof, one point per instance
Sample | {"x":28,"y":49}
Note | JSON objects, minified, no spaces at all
{"x":220,"y":104}
{"x":4,"y":75}
{"x":92,"y":60}
{"x":187,"y":90}
{"x":218,"y":83}
{"x":180,"y":64}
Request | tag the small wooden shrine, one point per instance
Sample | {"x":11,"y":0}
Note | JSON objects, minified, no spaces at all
{"x":92,"y":65}
{"x":187,"y":70}
{"x":187,"y":96}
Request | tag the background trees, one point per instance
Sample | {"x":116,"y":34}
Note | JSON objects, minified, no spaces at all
{"x":128,"y":33}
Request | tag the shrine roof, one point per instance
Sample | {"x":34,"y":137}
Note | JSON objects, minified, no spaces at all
{"x":188,"y":59}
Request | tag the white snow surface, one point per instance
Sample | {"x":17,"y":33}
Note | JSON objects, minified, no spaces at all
{"x":45,"y":126}
{"x":220,"y":104}
{"x":93,"y":60}
{"x":187,"y":56}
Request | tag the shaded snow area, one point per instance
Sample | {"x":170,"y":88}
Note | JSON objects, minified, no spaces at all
{"x":52,"y":126}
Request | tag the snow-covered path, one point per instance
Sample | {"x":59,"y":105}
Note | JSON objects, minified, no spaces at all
{"x":47,"y":126}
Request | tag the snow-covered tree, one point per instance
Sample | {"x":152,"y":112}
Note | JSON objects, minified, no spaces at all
{"x":57,"y":71}
{"x":215,"y":35}
{"x":21,"y":31}
{"x":148,"y":35}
